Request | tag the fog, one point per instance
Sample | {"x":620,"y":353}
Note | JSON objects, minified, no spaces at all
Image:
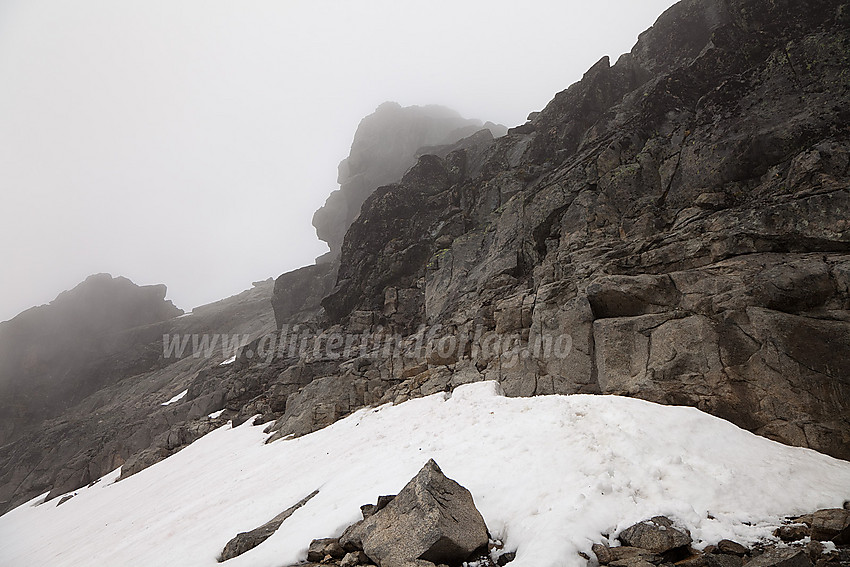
{"x":189,"y":143}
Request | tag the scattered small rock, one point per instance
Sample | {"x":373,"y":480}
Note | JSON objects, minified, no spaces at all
{"x":65,"y":498}
{"x":832,"y":524}
{"x":327,"y":547}
{"x":610,"y":555}
{"x":782,"y":557}
{"x":657,"y":535}
{"x":730,"y":547}
{"x":804,"y":519}
{"x":371,"y":509}
{"x":792,"y":532}
{"x":354,"y":558}
{"x":657,"y":543}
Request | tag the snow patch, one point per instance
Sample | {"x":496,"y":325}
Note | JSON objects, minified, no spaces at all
{"x":230,"y":360}
{"x":216,"y":414}
{"x":176,"y":398}
{"x":550,"y":475}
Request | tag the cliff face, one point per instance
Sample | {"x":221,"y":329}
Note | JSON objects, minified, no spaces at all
{"x":386,"y":144}
{"x":682,"y":215}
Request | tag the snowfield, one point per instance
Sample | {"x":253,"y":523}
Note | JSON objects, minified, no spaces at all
{"x":549,"y":474}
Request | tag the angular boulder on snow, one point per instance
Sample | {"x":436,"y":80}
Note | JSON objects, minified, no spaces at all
{"x":433,"y":518}
{"x":832,"y":524}
{"x":656,"y":535}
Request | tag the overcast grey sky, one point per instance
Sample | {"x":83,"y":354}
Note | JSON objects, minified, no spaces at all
{"x":189,"y":142}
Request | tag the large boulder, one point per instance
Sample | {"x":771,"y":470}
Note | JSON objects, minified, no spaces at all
{"x":432,"y":519}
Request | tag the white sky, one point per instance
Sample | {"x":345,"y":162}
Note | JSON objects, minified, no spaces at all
{"x":189,"y":142}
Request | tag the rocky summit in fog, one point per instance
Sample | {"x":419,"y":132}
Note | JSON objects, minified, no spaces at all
{"x":53,"y":356}
{"x":673,"y":227}
{"x":386,"y":144}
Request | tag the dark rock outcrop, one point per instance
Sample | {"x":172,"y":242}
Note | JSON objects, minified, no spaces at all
{"x":300,"y":291}
{"x":831,"y":525}
{"x":782,"y":557}
{"x":387,"y":143}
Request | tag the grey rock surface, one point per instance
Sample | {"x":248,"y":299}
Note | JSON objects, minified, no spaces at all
{"x":432,"y":519}
{"x":831,"y":525}
{"x":247,"y":541}
{"x":54,"y":355}
{"x":124,"y":423}
{"x":657,"y":535}
{"x":680,"y":216}
{"x":672,"y":227}
{"x":386,"y":145}
{"x":782,"y":557}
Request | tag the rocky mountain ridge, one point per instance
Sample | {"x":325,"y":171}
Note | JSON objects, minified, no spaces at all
{"x":679,"y":219}
{"x":125,"y":422}
{"x":53,"y":356}
{"x":681,"y":214}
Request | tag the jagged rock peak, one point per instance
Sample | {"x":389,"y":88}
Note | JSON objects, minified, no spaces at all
{"x":47,"y":353}
{"x":386,"y":144}
{"x":102,"y":303}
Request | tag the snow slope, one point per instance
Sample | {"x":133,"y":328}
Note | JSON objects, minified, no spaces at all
{"x":549,"y":474}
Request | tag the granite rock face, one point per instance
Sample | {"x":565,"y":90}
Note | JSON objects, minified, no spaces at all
{"x":680,"y":215}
